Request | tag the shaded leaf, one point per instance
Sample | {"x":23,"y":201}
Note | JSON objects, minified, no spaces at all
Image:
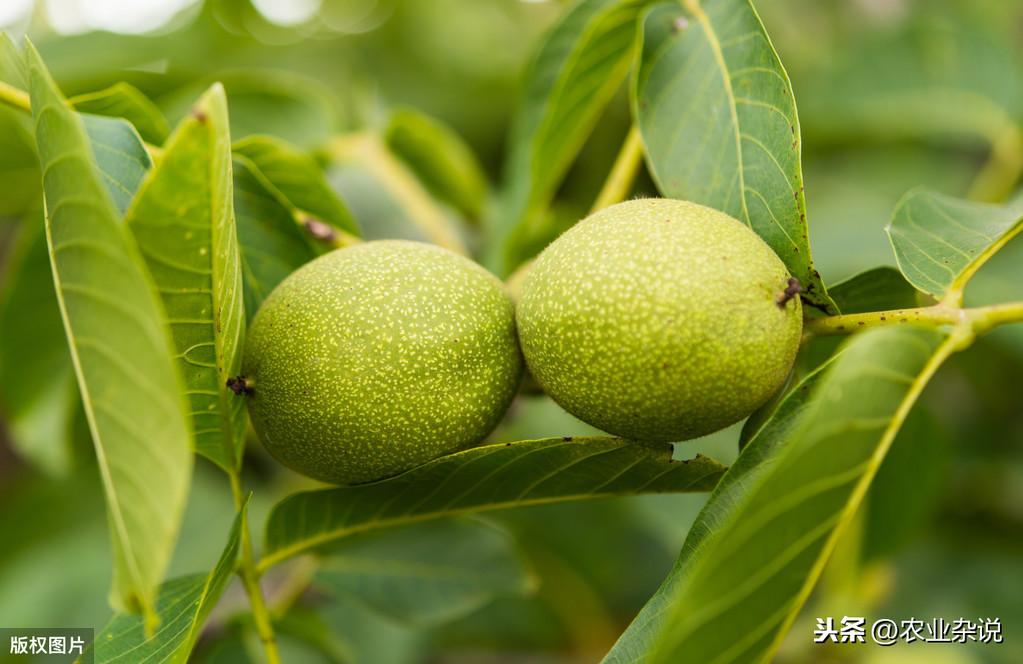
{"x":580,"y":65}
{"x":938,"y":74}
{"x":757,"y":548}
{"x":120,"y":348}
{"x":439,"y":158}
{"x":718,"y":120}
{"x":297,"y":178}
{"x":120,"y":156}
{"x":878,"y":289}
{"x":183,"y":605}
{"x":272,"y":245}
{"x":484,"y":478}
{"x":37,"y":394}
{"x":123,"y":100}
{"x":427,"y":574}
{"x":940,"y":242}
{"x":183,"y":221}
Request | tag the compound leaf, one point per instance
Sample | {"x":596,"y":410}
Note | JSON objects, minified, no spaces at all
{"x":120,"y":347}
{"x":183,"y":221}
{"x":427,"y":574}
{"x":183,"y":605}
{"x":940,"y":242}
{"x":492,"y":477}
{"x":757,"y":548}
{"x":718,"y":120}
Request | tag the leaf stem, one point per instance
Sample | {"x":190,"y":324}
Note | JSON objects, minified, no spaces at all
{"x":623,"y":172}
{"x":250,"y":580}
{"x":19,"y":99}
{"x":14,"y":97}
{"x":977,"y":319}
{"x":368,"y":150}
{"x":1002,"y":170}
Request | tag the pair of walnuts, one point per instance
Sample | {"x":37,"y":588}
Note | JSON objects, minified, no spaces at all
{"x":654,"y":320}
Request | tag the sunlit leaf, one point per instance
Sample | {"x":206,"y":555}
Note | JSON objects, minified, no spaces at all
{"x":582,"y":62}
{"x":940,"y":242}
{"x":440,"y":158}
{"x":183,"y":605}
{"x":758,"y":546}
{"x":718,"y":120}
{"x":183,"y":221}
{"x":492,"y":477}
{"x":271,"y":243}
{"x":123,"y":100}
{"x":120,"y":347}
{"x":427,"y":574}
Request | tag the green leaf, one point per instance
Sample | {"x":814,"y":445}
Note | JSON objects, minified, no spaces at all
{"x":183,"y":221}
{"x":532,"y":472}
{"x":939,"y":75}
{"x":427,"y":574}
{"x":120,"y":156}
{"x":12,"y":65}
{"x":37,"y":395}
{"x":271,"y":243}
{"x":582,"y":62}
{"x":123,"y":100}
{"x":298,"y":179}
{"x":183,"y":605}
{"x":439,"y":158}
{"x":879,"y":289}
{"x":757,"y":548}
{"x":940,"y":242}
{"x":388,"y":198}
{"x":120,"y":348}
{"x":718,"y":119}
{"x":298,"y":109}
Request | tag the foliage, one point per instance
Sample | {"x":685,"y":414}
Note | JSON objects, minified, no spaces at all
{"x":158,"y":187}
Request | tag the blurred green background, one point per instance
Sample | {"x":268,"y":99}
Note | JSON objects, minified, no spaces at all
{"x":892,"y":94}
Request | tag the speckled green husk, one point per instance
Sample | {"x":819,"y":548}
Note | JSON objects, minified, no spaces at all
{"x":376,"y":358}
{"x":658,"y":320}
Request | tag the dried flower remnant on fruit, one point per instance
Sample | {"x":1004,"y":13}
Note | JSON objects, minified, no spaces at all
{"x":239,"y":385}
{"x":792,"y":289}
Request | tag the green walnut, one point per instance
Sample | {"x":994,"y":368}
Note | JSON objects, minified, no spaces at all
{"x":659,"y":320}
{"x":376,"y":358}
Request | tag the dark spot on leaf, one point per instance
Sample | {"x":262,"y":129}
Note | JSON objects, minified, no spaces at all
{"x":199,"y":115}
{"x":567,"y":439}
